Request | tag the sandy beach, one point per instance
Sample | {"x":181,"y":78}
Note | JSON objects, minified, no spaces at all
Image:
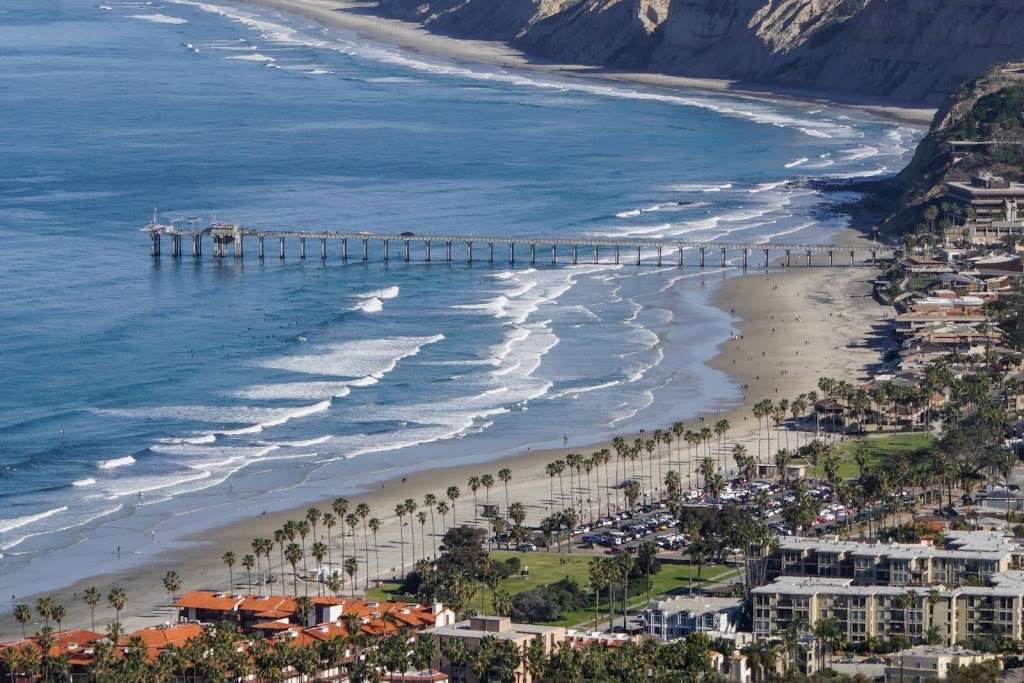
{"x":360,"y":17}
{"x":792,"y":327}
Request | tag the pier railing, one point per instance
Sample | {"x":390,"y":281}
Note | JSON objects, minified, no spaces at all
{"x":513,"y":249}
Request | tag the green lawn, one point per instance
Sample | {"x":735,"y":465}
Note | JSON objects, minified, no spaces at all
{"x":879,"y":449}
{"x":548,"y":568}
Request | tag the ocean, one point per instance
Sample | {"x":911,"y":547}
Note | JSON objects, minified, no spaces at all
{"x":142,"y":400}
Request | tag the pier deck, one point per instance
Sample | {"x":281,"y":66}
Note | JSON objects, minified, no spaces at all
{"x":513,"y":249}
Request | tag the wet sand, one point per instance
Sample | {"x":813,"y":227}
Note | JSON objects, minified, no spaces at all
{"x":792,"y":327}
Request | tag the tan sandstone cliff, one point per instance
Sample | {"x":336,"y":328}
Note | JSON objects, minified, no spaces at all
{"x":907,"y":50}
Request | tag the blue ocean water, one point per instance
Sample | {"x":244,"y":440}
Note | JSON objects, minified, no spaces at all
{"x":140,"y":400}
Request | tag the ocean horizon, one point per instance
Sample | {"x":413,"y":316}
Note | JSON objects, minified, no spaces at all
{"x":136,"y":392}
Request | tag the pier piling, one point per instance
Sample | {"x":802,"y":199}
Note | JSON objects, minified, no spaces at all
{"x":223,"y":234}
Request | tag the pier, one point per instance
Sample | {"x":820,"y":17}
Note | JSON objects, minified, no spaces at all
{"x":230,"y":240}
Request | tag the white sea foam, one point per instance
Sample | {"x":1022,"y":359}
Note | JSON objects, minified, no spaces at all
{"x":766,"y":187}
{"x":114,"y":463}
{"x":159,"y":19}
{"x":88,"y":481}
{"x":254,"y":57}
{"x":797,"y":162}
{"x":302,"y":391}
{"x":386,"y":293}
{"x":699,"y":187}
{"x":304,"y":443}
{"x":368,"y":357}
{"x":373,"y":305}
{"x":18,"y":522}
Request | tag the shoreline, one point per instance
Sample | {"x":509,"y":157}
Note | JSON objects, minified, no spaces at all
{"x":792,"y":321}
{"x":360,"y":16}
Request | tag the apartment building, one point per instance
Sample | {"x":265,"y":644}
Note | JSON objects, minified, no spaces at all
{"x":967,"y":557}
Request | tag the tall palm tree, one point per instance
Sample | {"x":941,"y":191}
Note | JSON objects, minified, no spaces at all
{"x":330,"y":521}
{"x":351,"y":568}
{"x":313,"y":516}
{"x":352,"y":522}
{"x":487,"y":481}
{"x":319,"y":552}
{"x":92,"y":599}
{"x":23,"y":614}
{"x":248,"y":562}
{"x":172,"y":584}
{"x":363,"y":512}
{"x":452,"y":494}
{"x":400,"y":513}
{"x":721,"y":429}
{"x":505,"y":476}
{"x":44,"y":607}
{"x":410,"y":508}
{"x":597,"y":578}
{"x":279,"y":539}
{"x":293,"y":554}
{"x":340,"y":507}
{"x":229,"y":560}
{"x":442,"y":509}
{"x":430,"y":502}
{"x":117,"y":599}
{"x":421,"y":517}
{"x":474,"y":485}
{"x":374,"y":526}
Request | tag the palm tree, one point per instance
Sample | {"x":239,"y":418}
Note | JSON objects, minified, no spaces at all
{"x":340,"y":507}
{"x":351,"y":568}
{"x":453,"y":494}
{"x":421,"y":517}
{"x":474,"y":485}
{"x":279,"y":539}
{"x":505,"y":476}
{"x":319,"y":552}
{"x":597,"y":578}
{"x":172,"y":584}
{"x":313,"y":516}
{"x":363,"y":512}
{"x":302,"y":528}
{"x":442,"y":509}
{"x":720,"y":430}
{"x":44,"y":607}
{"x":228,"y":559}
{"x":352,"y":522}
{"x":330,"y":521}
{"x":248,"y":562}
{"x":59,"y":614}
{"x":487,"y":481}
{"x":293,"y":553}
{"x":430,"y":502}
{"x":23,"y":614}
{"x":374,"y":526}
{"x":632,"y":494}
{"x":400,"y":513}
{"x":410,"y":508}
{"x":92,"y":599}
{"x":117,"y":599}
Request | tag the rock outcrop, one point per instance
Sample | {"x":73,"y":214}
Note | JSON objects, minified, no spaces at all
{"x":987,"y":112}
{"x":914,"y":51}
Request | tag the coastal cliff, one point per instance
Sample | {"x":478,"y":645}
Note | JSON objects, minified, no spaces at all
{"x":904,"y":50}
{"x":985,"y":112}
